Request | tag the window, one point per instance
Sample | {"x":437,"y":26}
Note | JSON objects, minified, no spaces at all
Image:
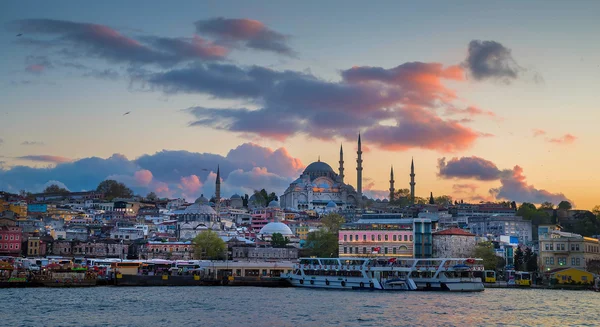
{"x":350,"y":250}
{"x":356,"y":238}
{"x":356,"y":250}
{"x":345,"y":238}
{"x":572,"y":261}
{"x":562,"y":247}
{"x":379,"y":237}
{"x":547,"y":246}
{"x":572,"y":247}
{"x":551,"y":246}
{"x":365,"y":237}
{"x":577,"y":262}
{"x":372,"y":237}
{"x":386,"y":237}
{"x":365,"y":250}
{"x":386,"y":250}
{"x":11,"y":237}
{"x":547,"y":261}
{"x":405,"y":238}
{"x":394,"y":250}
{"x":394,"y":238}
{"x":350,"y":238}
{"x":552,"y":260}
{"x":562,"y":261}
{"x":345,"y":249}
{"x":411,"y":238}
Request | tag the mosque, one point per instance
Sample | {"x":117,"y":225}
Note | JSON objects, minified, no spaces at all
{"x":321,"y":188}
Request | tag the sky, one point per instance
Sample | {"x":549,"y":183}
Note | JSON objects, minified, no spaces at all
{"x":493,"y":101}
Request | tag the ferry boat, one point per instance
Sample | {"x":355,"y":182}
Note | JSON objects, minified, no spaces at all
{"x":350,"y":273}
{"x":440,"y":274}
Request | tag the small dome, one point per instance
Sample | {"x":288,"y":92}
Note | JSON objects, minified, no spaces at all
{"x":201,"y":200}
{"x":331,"y":204}
{"x":276,"y":227}
{"x":378,"y":200}
{"x":274,"y":204}
{"x":385,"y":201}
{"x":318,"y":166}
{"x":236,"y":196}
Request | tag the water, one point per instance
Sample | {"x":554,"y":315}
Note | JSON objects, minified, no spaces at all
{"x":254,"y":306}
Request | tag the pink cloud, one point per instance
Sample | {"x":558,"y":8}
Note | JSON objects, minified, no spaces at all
{"x":565,"y":139}
{"x":35,"y":68}
{"x":538,"y":132}
{"x":514,"y":187}
{"x":143,"y":177}
{"x":470,"y":111}
{"x":190,"y":184}
{"x":464,"y":188}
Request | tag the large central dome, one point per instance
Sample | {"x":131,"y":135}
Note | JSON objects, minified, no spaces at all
{"x":318,"y":166}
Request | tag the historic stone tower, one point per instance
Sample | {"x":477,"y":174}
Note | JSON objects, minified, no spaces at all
{"x":341,"y":164}
{"x":218,"y":192}
{"x":359,"y":171}
{"x":412,"y":181}
{"x":392,"y":184}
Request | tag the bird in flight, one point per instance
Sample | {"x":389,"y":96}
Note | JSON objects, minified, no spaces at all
{"x":19,"y":34}
{"x":127,"y":113}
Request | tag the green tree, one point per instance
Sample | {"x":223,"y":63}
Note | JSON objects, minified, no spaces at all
{"x":113,"y":189}
{"x":245,"y":200}
{"x":56,"y":189}
{"x":485,"y":251}
{"x":208,"y":245}
{"x":152,"y":196}
{"x":538,"y":217}
{"x":587,"y":224}
{"x":519,"y":259}
{"x":565,"y":205}
{"x":547,"y":205}
{"x":593,"y":266}
{"x":596,"y":211}
{"x":333,"y":222}
{"x":443,"y":200}
{"x":529,"y":260}
{"x":322,"y":243}
{"x":279,"y":241}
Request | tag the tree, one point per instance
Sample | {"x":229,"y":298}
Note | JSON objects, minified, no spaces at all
{"x":565,"y":205}
{"x":519,"y":259}
{"x":596,"y":210}
{"x":278,"y":241}
{"x":113,"y":189}
{"x":593,"y":266}
{"x":587,"y":224}
{"x":151,"y":196}
{"x":485,"y":251}
{"x":547,"y":205}
{"x":538,"y":217}
{"x":333,"y":222}
{"x":322,"y":243}
{"x":208,"y":245}
{"x":56,"y":189}
{"x":443,"y":200}
{"x":529,"y":261}
{"x":245,"y":200}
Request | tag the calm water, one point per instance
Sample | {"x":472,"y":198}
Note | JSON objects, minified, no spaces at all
{"x":250,"y":306}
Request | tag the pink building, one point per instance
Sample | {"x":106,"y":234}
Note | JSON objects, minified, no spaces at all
{"x":10,"y":240}
{"x":363,"y":242}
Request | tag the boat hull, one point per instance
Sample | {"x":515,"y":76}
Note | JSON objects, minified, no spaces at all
{"x":449,"y":286}
{"x":345,"y":284}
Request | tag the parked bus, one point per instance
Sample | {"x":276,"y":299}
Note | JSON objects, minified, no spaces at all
{"x":490,"y":276}
{"x":523,"y":278}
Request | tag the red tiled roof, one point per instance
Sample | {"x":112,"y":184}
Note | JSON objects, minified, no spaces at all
{"x":454,"y":231}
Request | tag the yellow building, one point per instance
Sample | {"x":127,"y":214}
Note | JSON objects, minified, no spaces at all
{"x":33,"y":248}
{"x":19,"y":208}
{"x":568,"y":275}
{"x":302,"y":232}
{"x":290,"y":216}
{"x":566,"y":250}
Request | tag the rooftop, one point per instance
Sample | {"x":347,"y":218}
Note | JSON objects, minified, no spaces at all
{"x":454,"y":231}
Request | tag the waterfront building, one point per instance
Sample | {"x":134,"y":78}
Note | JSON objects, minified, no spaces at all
{"x":453,"y":243}
{"x":481,"y":209}
{"x":168,"y":250}
{"x":501,"y":225}
{"x":570,"y":275}
{"x":321,"y":188}
{"x":10,"y":237}
{"x":385,"y":235}
{"x":559,"y":249}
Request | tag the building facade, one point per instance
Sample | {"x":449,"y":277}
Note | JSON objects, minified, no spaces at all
{"x":561,"y":250}
{"x":502,"y":225}
{"x":10,"y":238}
{"x":453,"y":243}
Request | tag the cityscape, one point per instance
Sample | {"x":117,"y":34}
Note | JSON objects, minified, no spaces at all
{"x":229,"y":163}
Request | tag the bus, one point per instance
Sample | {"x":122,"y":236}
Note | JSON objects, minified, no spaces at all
{"x":490,"y":276}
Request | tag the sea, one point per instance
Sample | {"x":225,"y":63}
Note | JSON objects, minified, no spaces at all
{"x":256,"y":306}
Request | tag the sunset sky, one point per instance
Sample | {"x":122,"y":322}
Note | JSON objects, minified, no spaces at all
{"x":494,"y":101}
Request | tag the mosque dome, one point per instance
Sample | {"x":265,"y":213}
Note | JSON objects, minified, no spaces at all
{"x":276,"y":227}
{"x":197,"y":208}
{"x":236,"y":196}
{"x":201,"y":200}
{"x":331,"y":204}
{"x":385,"y":201}
{"x":254,"y":201}
{"x":274,"y":204}
{"x":318,"y":167}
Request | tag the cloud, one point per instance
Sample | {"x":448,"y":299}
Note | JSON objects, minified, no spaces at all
{"x":108,"y":74}
{"x":37,"y":64}
{"x":491,"y":60}
{"x":251,"y":33}
{"x":471,"y":111}
{"x":86,"y":39}
{"x":538,"y":132}
{"x":57,"y":183}
{"x":370,"y":192}
{"x":1,"y":141}
{"x":168,"y":173}
{"x":32,"y":143}
{"x":468,"y":168}
{"x":565,"y":139}
{"x":514,"y":187}
{"x":45,"y":158}
{"x":464,"y":188}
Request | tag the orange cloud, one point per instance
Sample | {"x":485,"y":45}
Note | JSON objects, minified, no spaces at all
{"x":565,"y":139}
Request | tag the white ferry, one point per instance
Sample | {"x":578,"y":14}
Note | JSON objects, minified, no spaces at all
{"x":350,"y":273}
{"x":451,"y":274}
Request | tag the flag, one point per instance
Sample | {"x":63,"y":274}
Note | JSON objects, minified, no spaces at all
{"x":376,"y":250}
{"x":392,"y":260}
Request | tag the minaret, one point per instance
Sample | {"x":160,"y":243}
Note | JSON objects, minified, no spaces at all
{"x":431,"y":200}
{"x":218,"y":192}
{"x":341,"y":164}
{"x":412,"y":181}
{"x":392,"y":184}
{"x":359,"y":171}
